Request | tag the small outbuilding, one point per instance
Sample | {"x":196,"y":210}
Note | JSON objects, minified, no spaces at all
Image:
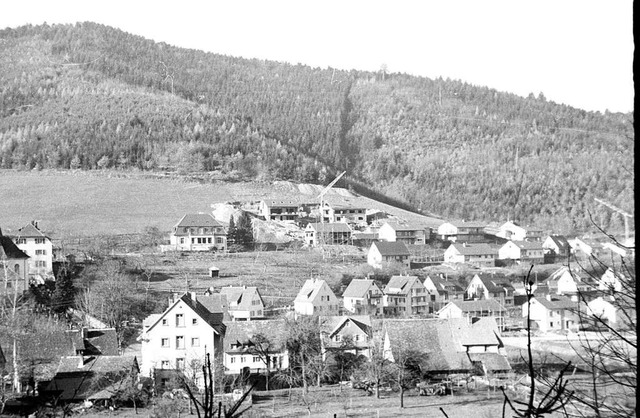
{"x":214,"y":271}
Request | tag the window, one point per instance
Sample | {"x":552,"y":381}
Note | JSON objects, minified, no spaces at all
{"x":550,"y":324}
{"x":242,"y":359}
{"x":40,"y":263}
{"x":195,"y":342}
{"x":41,"y":252}
{"x":39,"y":240}
{"x":219,"y":240}
{"x":165,"y":322}
{"x":164,"y":343}
{"x":179,"y":320}
{"x":180,"y":363}
{"x":164,"y":364}
{"x":16,"y":268}
{"x":194,"y":321}
{"x":181,"y":240}
{"x":338,"y":337}
{"x":233,"y":360}
{"x":21,"y":241}
{"x":193,"y":240}
{"x":357,"y":338}
{"x":209,"y":240}
{"x":256,"y":359}
{"x":180,"y":342}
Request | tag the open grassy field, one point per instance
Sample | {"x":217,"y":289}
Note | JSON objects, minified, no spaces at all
{"x":85,"y":203}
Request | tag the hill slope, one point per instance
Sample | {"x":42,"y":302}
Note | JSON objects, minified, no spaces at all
{"x":90,"y":96}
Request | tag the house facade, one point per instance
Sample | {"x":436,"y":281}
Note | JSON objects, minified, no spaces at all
{"x":523,"y":252}
{"x":458,"y":231}
{"x":405,"y":296}
{"x":198,"y":232}
{"x":244,"y":303}
{"x":39,"y":249}
{"x":318,"y":234}
{"x":514,"y":232}
{"x":441,"y":291}
{"x":14,"y":267}
{"x":363,"y":297}
{"x":280,"y":210}
{"x":351,"y":214}
{"x":408,"y":234}
{"x":472,"y":310}
{"x":249,"y":346}
{"x":481,"y":255}
{"x":316,"y":298}
{"x":180,"y":337}
{"x":348,"y":334}
{"x":490,"y":287}
{"x":553,"y":313}
{"x":385,"y":253}
{"x":556,"y":246}
{"x":563,"y":282}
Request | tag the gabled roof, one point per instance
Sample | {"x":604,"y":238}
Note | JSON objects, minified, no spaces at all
{"x":30,"y":231}
{"x":561,"y":242}
{"x":478,"y":305}
{"x":528,"y":245}
{"x":405,"y":227}
{"x":474,"y":249}
{"x":240,"y":296}
{"x":443,"y":285}
{"x":438,"y":339}
{"x":470,"y":224}
{"x":9,"y":249}
{"x":391,"y":249}
{"x":495,"y":284}
{"x":557,"y":303}
{"x":281,"y":202}
{"x":75,"y":382}
{"x":493,"y":362}
{"x":242,"y":332}
{"x":333,"y":324}
{"x":330,"y":227}
{"x":400,"y":284}
{"x":213,"y":318}
{"x":198,"y":220}
{"x":358,"y":288}
{"x":101,"y":342}
{"x":482,"y":332}
{"x":310,"y":290}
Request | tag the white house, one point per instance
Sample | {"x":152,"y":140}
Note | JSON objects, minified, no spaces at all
{"x":472,"y":310}
{"x":180,"y":337}
{"x":460,"y":231}
{"x":198,"y":232}
{"x":39,"y":248}
{"x":316,"y":297}
{"x":316,"y":234}
{"x":248,"y":346}
{"x":405,"y":296}
{"x":344,"y":211}
{"x":245,"y":303}
{"x":349,"y":334}
{"x":529,"y":252}
{"x":280,"y":210}
{"x":481,"y":255}
{"x":557,"y":245}
{"x":610,"y":281}
{"x":363,"y":296}
{"x":563,"y":282}
{"x":603,"y":309}
{"x":385,"y":253}
{"x":553,"y":313}
{"x":409,"y":234}
{"x":514,"y":232}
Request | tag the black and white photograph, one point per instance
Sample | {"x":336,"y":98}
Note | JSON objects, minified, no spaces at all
{"x":338,"y":208}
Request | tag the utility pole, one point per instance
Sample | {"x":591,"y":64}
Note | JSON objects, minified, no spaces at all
{"x":624,"y":214}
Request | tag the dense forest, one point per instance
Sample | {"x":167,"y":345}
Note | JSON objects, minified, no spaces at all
{"x":88,"y":96}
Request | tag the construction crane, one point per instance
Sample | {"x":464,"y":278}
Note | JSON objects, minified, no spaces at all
{"x":625,"y":214}
{"x":324,"y":191}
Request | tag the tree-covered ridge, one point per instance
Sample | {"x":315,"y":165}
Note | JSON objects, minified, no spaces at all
{"x":90,"y":96}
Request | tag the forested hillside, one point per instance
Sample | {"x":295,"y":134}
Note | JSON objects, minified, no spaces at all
{"x":88,"y":96}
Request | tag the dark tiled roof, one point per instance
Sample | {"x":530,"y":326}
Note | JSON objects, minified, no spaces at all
{"x":561,"y":242}
{"x":406,"y":227}
{"x":197,"y":220}
{"x":493,"y":362}
{"x":392,"y":248}
{"x":461,"y":224}
{"x":474,"y":249}
{"x":332,"y":324}
{"x":438,"y":339}
{"x":529,"y":245}
{"x":9,"y":249}
{"x":495,"y":284}
{"x":400,"y":284}
{"x":212,"y":318}
{"x":358,"y":288}
{"x":242,"y":332}
{"x":30,"y":231}
{"x":557,"y":303}
{"x":242,"y":296}
{"x":101,"y":342}
{"x":281,"y":203}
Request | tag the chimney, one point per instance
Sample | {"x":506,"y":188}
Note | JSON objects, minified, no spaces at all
{"x":80,"y":360}
{"x":193,"y":296}
{"x":549,"y":297}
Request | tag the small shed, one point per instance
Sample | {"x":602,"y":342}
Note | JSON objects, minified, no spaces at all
{"x":214,"y":271}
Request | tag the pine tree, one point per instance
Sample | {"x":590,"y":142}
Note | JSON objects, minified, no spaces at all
{"x":245,"y":231}
{"x":64,"y":293}
{"x":232,"y":232}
